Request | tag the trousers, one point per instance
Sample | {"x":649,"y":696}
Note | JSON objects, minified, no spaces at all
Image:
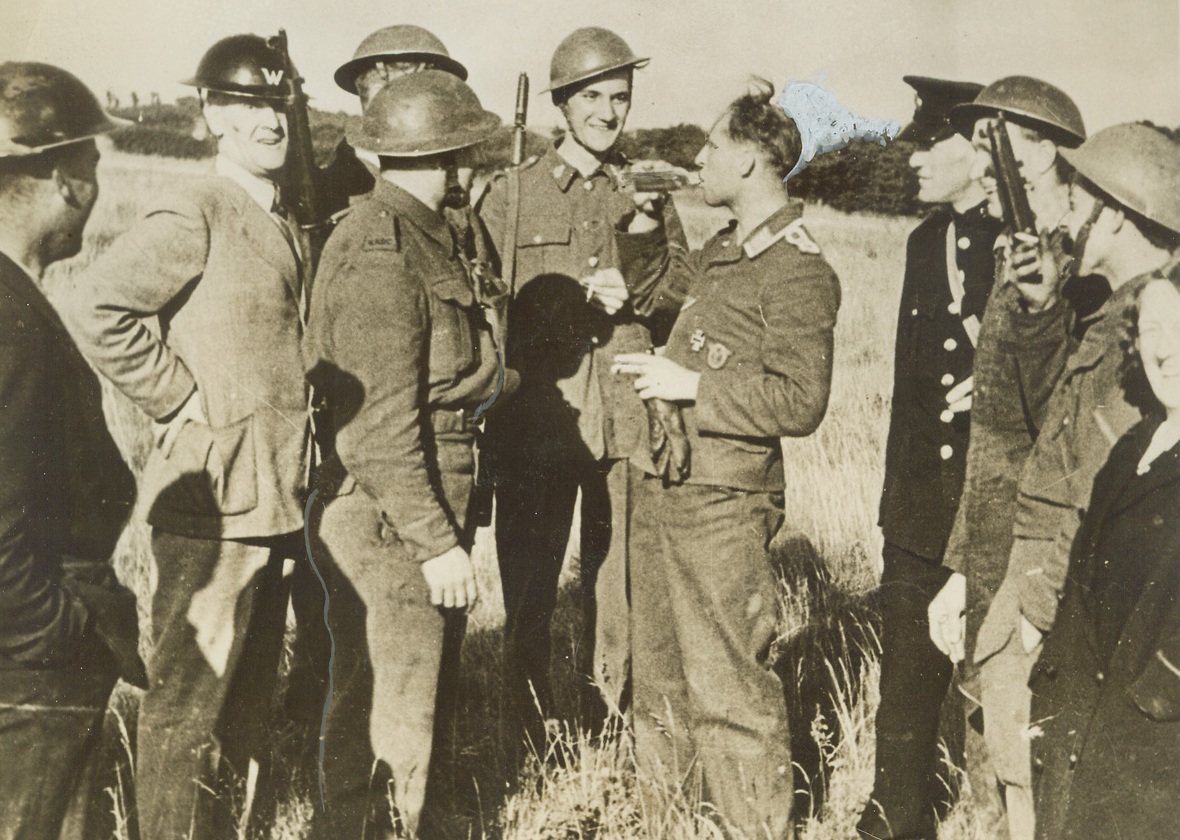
{"x":908,"y":787}
{"x":534,"y":514}
{"x":50,"y":725}
{"x":707,"y":707}
{"x":395,"y":656}
{"x":218,"y":616}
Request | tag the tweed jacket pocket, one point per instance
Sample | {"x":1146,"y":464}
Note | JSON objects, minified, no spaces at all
{"x":214,"y":468}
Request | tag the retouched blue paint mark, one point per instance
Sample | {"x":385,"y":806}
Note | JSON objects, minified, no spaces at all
{"x":486,"y":404}
{"x":825,"y":125}
{"x":331,"y":643}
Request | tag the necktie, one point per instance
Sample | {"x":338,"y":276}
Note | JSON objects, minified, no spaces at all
{"x":291,"y":233}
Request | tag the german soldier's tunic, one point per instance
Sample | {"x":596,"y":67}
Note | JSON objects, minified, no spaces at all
{"x":573,"y":426}
{"x":400,"y":348}
{"x":757,"y":324}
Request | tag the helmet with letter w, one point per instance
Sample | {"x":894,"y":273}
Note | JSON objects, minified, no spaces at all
{"x":243,"y":65}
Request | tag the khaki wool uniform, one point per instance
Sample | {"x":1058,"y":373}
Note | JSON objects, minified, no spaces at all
{"x":399,"y":347}
{"x":757,"y":323}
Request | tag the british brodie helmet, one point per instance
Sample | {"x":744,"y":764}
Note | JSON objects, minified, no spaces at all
{"x":43,"y":106}
{"x":1026,"y":101}
{"x":403,"y":42}
{"x":1135,"y":165}
{"x":423,"y":114}
{"x":243,"y":65}
{"x":589,"y":52}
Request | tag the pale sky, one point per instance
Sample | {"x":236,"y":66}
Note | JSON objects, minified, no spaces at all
{"x":1120,"y":61}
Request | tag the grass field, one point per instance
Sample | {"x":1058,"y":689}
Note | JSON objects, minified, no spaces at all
{"x":833,"y":483}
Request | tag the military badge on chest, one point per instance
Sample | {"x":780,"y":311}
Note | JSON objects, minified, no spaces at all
{"x":716,"y":353}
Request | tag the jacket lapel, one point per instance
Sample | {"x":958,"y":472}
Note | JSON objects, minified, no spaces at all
{"x":262,"y":232}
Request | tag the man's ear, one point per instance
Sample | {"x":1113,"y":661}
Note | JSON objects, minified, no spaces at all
{"x":748,"y":161}
{"x":1118,"y":217}
{"x":214,"y":118}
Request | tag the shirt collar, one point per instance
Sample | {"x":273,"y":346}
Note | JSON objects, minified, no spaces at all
{"x":261,"y":191}
{"x":416,"y":213}
{"x":773,"y":228}
{"x":565,"y":173}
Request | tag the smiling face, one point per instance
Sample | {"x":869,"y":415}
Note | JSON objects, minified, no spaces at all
{"x":944,"y":170}
{"x":597,"y":112}
{"x":250,"y":132}
{"x":722,"y":163}
{"x":1159,"y":342}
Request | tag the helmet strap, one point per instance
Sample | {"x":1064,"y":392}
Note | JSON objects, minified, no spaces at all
{"x":1079,"y":245}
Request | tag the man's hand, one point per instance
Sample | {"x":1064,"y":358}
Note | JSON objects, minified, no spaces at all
{"x":451,"y":580}
{"x":164,"y":434}
{"x":606,"y":290}
{"x":647,"y":204}
{"x":656,"y":376}
{"x":958,"y":398}
{"x":948,"y":617}
{"x":1030,"y":636}
{"x":1038,"y":276}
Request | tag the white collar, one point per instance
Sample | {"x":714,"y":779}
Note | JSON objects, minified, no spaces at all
{"x":260,"y":190}
{"x":1165,"y":437}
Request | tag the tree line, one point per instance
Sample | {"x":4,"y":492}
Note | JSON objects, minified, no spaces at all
{"x":864,"y":177}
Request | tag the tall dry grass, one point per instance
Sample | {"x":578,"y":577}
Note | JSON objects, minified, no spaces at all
{"x":588,"y":788}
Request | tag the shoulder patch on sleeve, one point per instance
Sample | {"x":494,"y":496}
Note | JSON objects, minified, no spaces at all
{"x":385,"y":238}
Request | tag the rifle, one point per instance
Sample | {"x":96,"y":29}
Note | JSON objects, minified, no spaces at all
{"x":299,"y":173}
{"x":511,"y":234}
{"x":1018,"y":215}
{"x":508,"y":263}
{"x":311,"y":228}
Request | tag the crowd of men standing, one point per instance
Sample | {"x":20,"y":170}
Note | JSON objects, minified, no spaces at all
{"x":326,"y":426}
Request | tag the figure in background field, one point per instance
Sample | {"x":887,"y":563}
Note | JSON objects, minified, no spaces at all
{"x":573,"y":426}
{"x":948,"y":277}
{"x":749,"y":360}
{"x":400,"y":347}
{"x":196,"y":314}
{"x":1037,"y":305}
{"x":384,"y":55}
{"x":68,"y":628}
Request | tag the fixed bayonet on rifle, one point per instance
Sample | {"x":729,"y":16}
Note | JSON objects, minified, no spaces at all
{"x":299,"y":174}
{"x":520,"y":119}
{"x":1018,"y":215}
